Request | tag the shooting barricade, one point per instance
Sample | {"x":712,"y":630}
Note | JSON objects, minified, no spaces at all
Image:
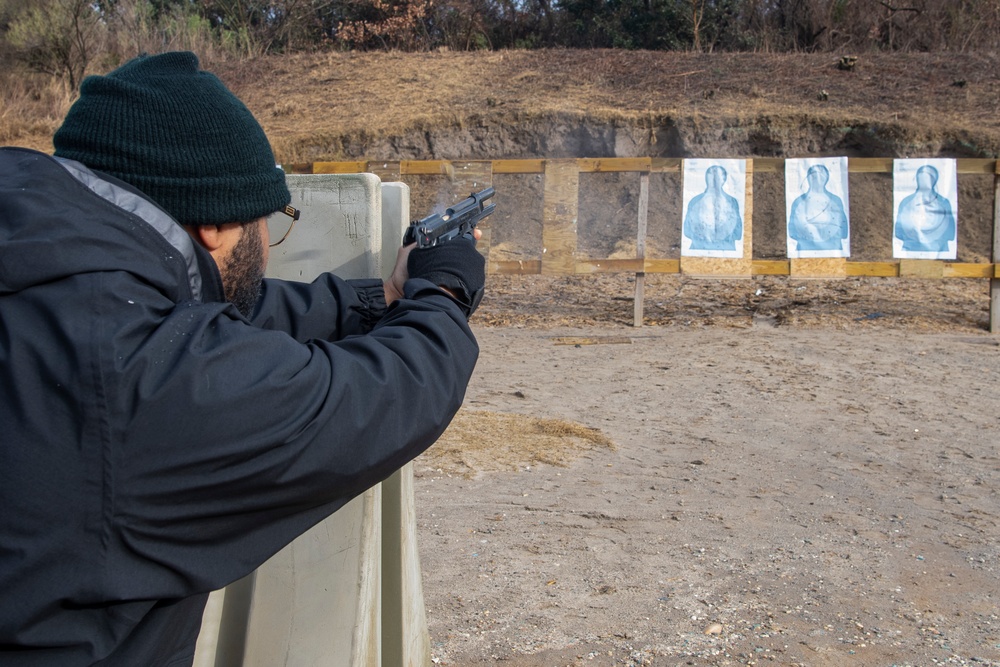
{"x":558,"y":251}
{"x":347,"y":592}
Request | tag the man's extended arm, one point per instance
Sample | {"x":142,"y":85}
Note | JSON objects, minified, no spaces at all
{"x":328,"y":308}
{"x":256,"y":437}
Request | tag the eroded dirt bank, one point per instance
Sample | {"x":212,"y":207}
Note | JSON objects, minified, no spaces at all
{"x":568,"y":103}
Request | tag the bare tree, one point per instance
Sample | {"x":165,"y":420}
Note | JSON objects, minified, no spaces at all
{"x":697,"y":15}
{"x":57,"y":37}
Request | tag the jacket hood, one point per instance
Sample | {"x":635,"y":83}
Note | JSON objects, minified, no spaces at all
{"x":59,"y":219}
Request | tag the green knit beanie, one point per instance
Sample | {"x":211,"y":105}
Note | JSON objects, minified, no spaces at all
{"x":178,"y":135}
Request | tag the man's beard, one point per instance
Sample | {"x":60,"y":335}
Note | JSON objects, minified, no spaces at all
{"x":244,"y":270}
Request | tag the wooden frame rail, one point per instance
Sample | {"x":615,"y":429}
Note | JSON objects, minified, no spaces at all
{"x":560,"y":202}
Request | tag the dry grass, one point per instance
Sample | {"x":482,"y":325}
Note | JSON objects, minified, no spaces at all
{"x":32,"y":107}
{"x":483,"y":441}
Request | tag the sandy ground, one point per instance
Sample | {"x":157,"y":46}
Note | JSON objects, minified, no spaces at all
{"x":786,"y":495}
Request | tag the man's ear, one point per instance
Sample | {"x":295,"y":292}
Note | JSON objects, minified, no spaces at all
{"x":218,"y":240}
{"x":208,"y":236}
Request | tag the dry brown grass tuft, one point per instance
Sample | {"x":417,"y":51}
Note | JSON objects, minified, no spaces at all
{"x":484,"y":441}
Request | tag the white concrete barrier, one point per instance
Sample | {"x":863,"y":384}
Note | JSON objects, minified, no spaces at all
{"x":405,"y":640}
{"x":395,"y":220}
{"x":340,"y":229}
{"x":348,"y":591}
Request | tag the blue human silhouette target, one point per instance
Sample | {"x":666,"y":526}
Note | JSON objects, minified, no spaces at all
{"x":925,"y":202}
{"x":817,"y":207}
{"x":713,"y":211}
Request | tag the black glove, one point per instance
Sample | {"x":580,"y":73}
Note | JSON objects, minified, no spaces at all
{"x":456,"y":266}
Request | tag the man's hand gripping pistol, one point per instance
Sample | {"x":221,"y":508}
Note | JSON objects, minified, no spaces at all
{"x":459,"y":220}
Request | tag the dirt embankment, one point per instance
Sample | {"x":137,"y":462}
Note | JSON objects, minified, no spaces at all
{"x":567,"y":103}
{"x":601,"y":103}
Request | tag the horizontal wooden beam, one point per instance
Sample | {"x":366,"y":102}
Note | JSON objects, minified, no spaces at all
{"x":869,"y":165}
{"x":602,"y":165}
{"x":519,"y":166}
{"x":358,"y":167}
{"x":879,"y":165}
{"x":666,"y":165}
{"x":632,"y":265}
{"x":661,"y":265}
{"x":769,"y":267}
{"x":521,"y":267}
{"x":970,"y":270}
{"x":425,"y":167}
{"x":873,"y":269}
{"x":976,"y":166}
{"x":441,"y":167}
{"x":920,"y":268}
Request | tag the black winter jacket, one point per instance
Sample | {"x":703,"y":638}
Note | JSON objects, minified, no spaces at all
{"x":154,"y":444}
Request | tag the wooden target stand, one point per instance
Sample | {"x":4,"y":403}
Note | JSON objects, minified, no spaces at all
{"x":558,"y":256}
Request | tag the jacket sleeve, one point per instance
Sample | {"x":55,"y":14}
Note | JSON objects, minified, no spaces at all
{"x":243,"y":438}
{"x":328,"y":308}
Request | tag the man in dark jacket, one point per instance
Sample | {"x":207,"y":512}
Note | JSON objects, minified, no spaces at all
{"x":158,"y":443}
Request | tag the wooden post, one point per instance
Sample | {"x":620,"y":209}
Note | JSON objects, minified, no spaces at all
{"x":640,"y":248}
{"x":995,"y":282}
{"x":562,"y":193}
{"x":469,"y":177}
